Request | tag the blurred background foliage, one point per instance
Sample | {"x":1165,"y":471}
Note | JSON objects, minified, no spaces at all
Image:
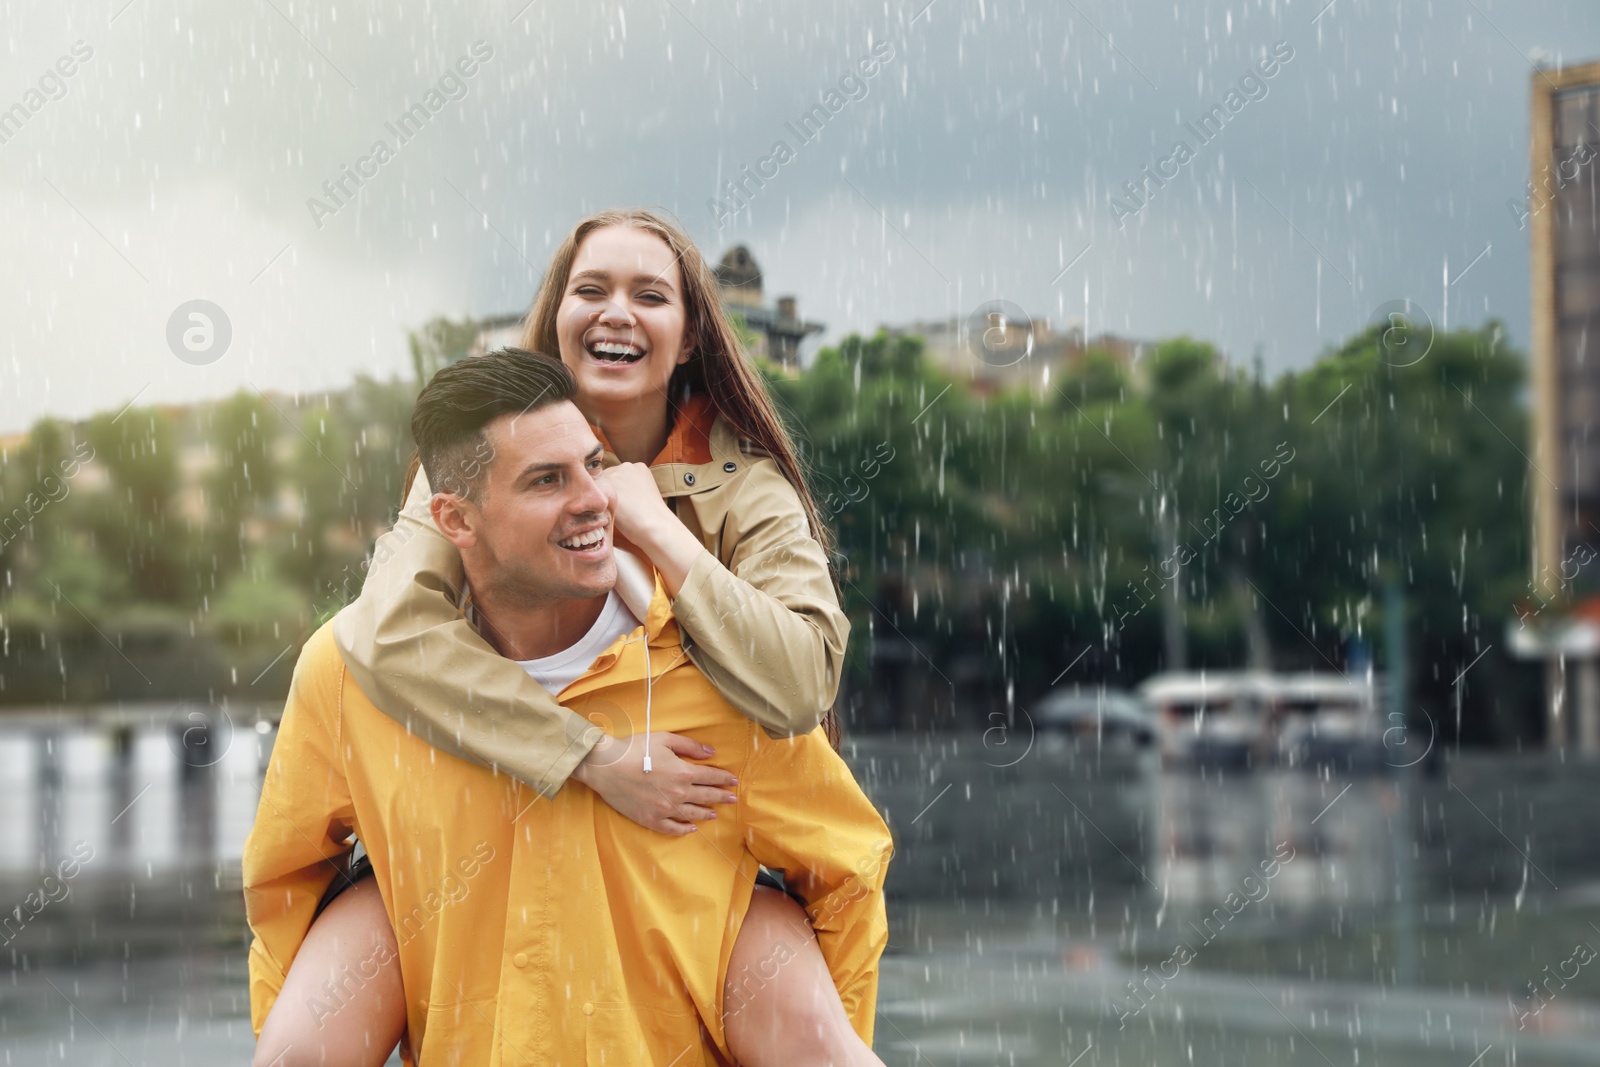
{"x":1016,"y":534}
{"x":990,"y":544}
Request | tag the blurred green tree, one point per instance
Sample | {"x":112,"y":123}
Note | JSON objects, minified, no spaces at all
{"x":136,"y":523}
{"x":240,"y":486}
{"x":438,"y":343}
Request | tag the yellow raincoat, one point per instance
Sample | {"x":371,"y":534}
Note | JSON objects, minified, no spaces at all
{"x":548,"y":931}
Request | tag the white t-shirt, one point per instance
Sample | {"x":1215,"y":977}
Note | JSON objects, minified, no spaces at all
{"x":556,"y":672}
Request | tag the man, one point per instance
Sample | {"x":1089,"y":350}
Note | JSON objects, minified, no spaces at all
{"x":552,"y":930}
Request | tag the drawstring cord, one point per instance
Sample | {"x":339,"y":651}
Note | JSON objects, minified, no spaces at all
{"x":648,"y":685}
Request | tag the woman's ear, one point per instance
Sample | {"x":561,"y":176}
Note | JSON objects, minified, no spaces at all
{"x":691,"y":339}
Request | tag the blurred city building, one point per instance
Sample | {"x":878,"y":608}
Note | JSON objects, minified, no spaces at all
{"x":1564,"y":235}
{"x":497,"y":331}
{"x":1000,"y":351}
{"x":776,"y":331}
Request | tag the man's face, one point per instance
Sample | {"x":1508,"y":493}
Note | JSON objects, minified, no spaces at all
{"x":541,"y":527}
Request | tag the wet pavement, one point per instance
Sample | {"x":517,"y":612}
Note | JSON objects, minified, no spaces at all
{"x":1066,"y":905}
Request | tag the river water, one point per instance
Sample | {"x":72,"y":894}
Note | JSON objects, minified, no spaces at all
{"x":1050,"y":903}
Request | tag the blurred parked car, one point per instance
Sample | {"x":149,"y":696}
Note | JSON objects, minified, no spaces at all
{"x":1243,"y":719}
{"x":1211,"y":718}
{"x":1327,"y":720}
{"x":1109,"y":716}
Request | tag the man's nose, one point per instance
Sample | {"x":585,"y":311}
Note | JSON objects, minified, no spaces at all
{"x":595,"y":494}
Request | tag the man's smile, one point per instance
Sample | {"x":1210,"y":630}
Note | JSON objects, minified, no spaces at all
{"x":591,"y":541}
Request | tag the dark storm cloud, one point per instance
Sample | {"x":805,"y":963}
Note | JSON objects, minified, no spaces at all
{"x":983,"y":160}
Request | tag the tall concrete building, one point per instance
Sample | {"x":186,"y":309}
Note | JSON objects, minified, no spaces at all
{"x":1562,"y":214}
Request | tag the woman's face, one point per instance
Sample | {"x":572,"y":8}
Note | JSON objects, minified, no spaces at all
{"x":620,"y":323}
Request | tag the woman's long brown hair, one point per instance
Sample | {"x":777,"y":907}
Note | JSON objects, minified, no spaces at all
{"x":718,"y":366}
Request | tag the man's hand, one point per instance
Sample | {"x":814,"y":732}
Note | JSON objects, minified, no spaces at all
{"x":673,"y":796}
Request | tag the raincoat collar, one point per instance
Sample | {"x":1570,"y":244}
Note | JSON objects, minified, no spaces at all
{"x":626,"y":661}
{"x":701,"y":452}
{"x":690,"y":438}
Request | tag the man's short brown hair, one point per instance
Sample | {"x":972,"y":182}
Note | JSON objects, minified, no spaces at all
{"x":463,"y":398}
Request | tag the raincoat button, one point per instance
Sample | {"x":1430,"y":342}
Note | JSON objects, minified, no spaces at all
{"x":688,"y":479}
{"x":520,"y":959}
{"x":588,"y":1009}
{"x":730,"y":466}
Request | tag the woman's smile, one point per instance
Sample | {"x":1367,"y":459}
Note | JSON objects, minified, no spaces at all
{"x":613,"y":351}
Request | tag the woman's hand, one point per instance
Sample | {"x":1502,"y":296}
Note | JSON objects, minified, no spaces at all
{"x":674,"y":796}
{"x":643,"y":518}
{"x":640,"y":512}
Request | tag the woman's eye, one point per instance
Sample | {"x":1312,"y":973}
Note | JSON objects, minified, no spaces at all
{"x":654,"y":298}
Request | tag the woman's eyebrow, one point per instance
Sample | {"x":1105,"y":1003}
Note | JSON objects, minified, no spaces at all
{"x":642,"y":278}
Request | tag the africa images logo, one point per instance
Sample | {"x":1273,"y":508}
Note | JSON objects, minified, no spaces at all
{"x":341,"y":189}
{"x":52,"y":85}
{"x":852,"y":87}
{"x":1252,"y":85}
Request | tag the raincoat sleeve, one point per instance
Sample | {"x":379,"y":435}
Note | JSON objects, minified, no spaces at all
{"x":301,"y":835}
{"x":417,"y":658}
{"x":805,"y":815}
{"x":764,"y":623}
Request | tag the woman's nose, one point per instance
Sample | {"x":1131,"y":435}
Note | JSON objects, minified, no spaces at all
{"x":613,"y":314}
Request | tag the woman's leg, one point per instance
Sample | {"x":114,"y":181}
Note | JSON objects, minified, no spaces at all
{"x":780,"y":1005}
{"x":342,"y":1003}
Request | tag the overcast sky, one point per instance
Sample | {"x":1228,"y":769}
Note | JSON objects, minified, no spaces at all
{"x":979,"y":161}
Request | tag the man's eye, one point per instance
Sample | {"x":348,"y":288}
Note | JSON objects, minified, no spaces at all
{"x":547,"y":479}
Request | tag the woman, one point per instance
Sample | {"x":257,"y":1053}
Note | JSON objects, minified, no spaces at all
{"x":631,"y":307}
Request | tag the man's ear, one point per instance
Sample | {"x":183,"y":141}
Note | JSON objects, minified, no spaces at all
{"x":456,"y":518}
